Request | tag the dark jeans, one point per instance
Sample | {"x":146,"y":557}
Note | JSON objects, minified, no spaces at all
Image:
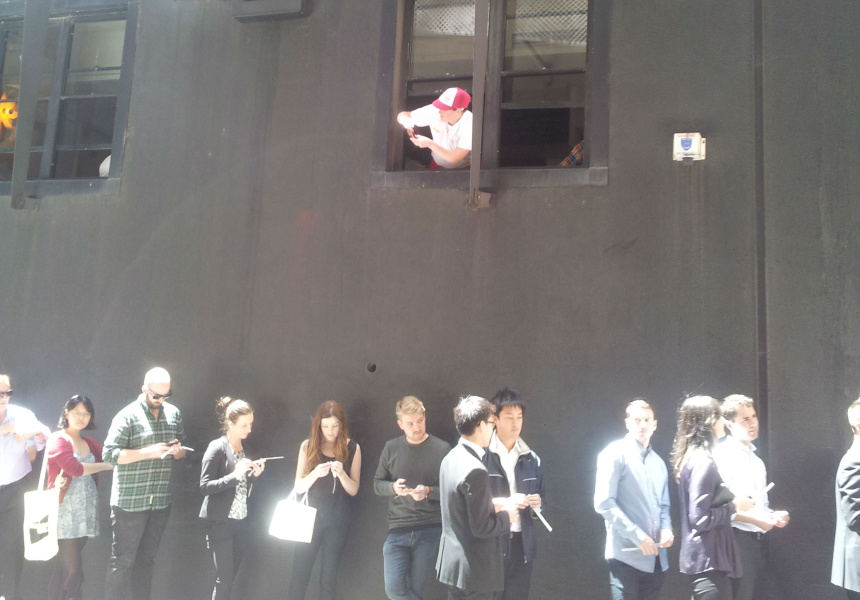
{"x":751,"y":549}
{"x":852,"y":595}
{"x":629,"y":583}
{"x":518,"y":572}
{"x":67,"y":576}
{"x":408,"y":559}
{"x":11,"y":538}
{"x":228,"y":541}
{"x":136,"y":536}
{"x":328,"y":541}
{"x":458,"y":594}
{"x":714,"y":585}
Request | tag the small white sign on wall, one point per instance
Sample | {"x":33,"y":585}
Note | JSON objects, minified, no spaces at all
{"x":689,"y":146}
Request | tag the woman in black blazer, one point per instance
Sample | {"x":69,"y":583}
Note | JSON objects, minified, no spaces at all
{"x":225,"y":480}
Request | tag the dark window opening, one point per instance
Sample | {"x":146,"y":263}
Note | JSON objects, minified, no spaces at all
{"x":83,"y":96}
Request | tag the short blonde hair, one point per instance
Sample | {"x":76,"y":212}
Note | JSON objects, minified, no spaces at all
{"x":5,"y":379}
{"x":410,"y":405}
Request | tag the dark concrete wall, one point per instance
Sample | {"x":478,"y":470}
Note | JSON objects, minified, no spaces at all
{"x":248,"y":254}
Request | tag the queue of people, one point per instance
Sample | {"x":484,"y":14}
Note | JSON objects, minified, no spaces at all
{"x":468,"y":515}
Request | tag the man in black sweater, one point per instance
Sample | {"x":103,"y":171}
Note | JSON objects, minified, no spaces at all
{"x":408,"y":473}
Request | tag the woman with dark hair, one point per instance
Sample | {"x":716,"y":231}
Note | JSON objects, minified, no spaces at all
{"x":73,"y":462}
{"x":225,"y":480}
{"x":328,"y":451}
{"x":707,"y":543}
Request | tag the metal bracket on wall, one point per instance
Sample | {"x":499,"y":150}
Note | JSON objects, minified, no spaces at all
{"x":250,"y":11}
{"x":36,"y":14}
{"x":477,"y":198}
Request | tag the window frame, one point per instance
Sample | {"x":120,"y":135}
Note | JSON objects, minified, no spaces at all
{"x":68,"y":13}
{"x":391,"y":98}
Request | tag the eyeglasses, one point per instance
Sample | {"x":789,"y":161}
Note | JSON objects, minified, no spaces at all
{"x":80,"y":414}
{"x":159,"y":396}
{"x":6,"y":393}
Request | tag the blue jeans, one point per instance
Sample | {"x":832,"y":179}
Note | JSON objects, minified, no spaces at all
{"x":408,"y":559}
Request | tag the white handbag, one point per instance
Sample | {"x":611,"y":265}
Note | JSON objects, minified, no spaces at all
{"x":293,"y":519}
{"x":41,"y":508}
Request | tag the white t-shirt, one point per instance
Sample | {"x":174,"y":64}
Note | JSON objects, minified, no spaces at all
{"x":450,"y":137}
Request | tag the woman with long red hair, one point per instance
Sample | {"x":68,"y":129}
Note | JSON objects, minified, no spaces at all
{"x":328,"y":470}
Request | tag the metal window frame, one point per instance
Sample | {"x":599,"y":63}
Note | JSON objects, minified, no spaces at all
{"x":69,"y":12}
{"x":395,"y":34}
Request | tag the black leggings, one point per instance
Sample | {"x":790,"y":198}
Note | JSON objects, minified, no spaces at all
{"x":68,"y":574}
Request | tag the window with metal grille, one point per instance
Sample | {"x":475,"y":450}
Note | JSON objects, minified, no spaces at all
{"x":536,"y":86}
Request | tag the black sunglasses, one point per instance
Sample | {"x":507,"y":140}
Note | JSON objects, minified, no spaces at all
{"x":159,"y":396}
{"x":6,"y":393}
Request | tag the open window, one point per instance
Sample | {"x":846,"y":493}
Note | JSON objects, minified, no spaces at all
{"x":545,"y":74}
{"x":83,"y":98}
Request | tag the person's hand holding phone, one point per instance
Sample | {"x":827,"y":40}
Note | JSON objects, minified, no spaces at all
{"x":400,"y":488}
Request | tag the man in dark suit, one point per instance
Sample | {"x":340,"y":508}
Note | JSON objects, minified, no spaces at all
{"x":471,"y":561}
{"x":846,"y":549}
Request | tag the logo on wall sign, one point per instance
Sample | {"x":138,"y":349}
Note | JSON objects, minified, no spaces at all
{"x":686,"y":143}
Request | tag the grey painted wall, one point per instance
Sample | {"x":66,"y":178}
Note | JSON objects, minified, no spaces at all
{"x":248,"y":254}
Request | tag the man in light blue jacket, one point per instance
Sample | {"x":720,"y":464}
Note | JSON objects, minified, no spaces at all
{"x":632,"y":496}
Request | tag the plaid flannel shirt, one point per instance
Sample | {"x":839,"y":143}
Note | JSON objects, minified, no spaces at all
{"x":144,"y":485}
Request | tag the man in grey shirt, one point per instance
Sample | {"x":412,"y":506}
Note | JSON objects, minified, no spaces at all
{"x":632,"y":496}
{"x":408,"y":473}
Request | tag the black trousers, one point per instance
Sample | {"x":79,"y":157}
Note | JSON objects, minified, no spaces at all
{"x":629,"y":583}
{"x":136,"y":536}
{"x":11,"y":538}
{"x":713,"y":585}
{"x":852,"y":595}
{"x":228,"y":541}
{"x":328,"y":541}
{"x":458,"y":594}
{"x":518,"y":572}
{"x":751,"y":548}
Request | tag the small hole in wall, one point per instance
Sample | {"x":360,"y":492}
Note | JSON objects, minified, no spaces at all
{"x":371,"y":367}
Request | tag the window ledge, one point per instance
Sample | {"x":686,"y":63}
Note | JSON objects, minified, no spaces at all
{"x":40,"y":188}
{"x":492,"y":179}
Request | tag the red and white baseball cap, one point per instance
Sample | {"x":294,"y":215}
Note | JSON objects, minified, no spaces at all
{"x":452,"y":98}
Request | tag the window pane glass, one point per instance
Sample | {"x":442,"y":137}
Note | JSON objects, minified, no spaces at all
{"x":86,"y":121}
{"x":6,"y":165}
{"x":9,"y":96}
{"x":561,"y":91}
{"x":74,"y":164}
{"x":96,"y":58}
{"x":545,"y":34}
{"x":443,"y":33}
{"x":41,"y":120}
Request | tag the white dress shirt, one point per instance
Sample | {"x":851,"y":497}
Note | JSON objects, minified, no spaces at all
{"x":745,"y":474}
{"x":14,"y":461}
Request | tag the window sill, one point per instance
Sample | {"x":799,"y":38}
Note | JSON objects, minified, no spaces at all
{"x":40,"y":188}
{"x":492,"y":179}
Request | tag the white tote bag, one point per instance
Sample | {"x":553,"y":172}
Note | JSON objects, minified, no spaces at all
{"x":293,"y":519}
{"x":41,"y":508}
